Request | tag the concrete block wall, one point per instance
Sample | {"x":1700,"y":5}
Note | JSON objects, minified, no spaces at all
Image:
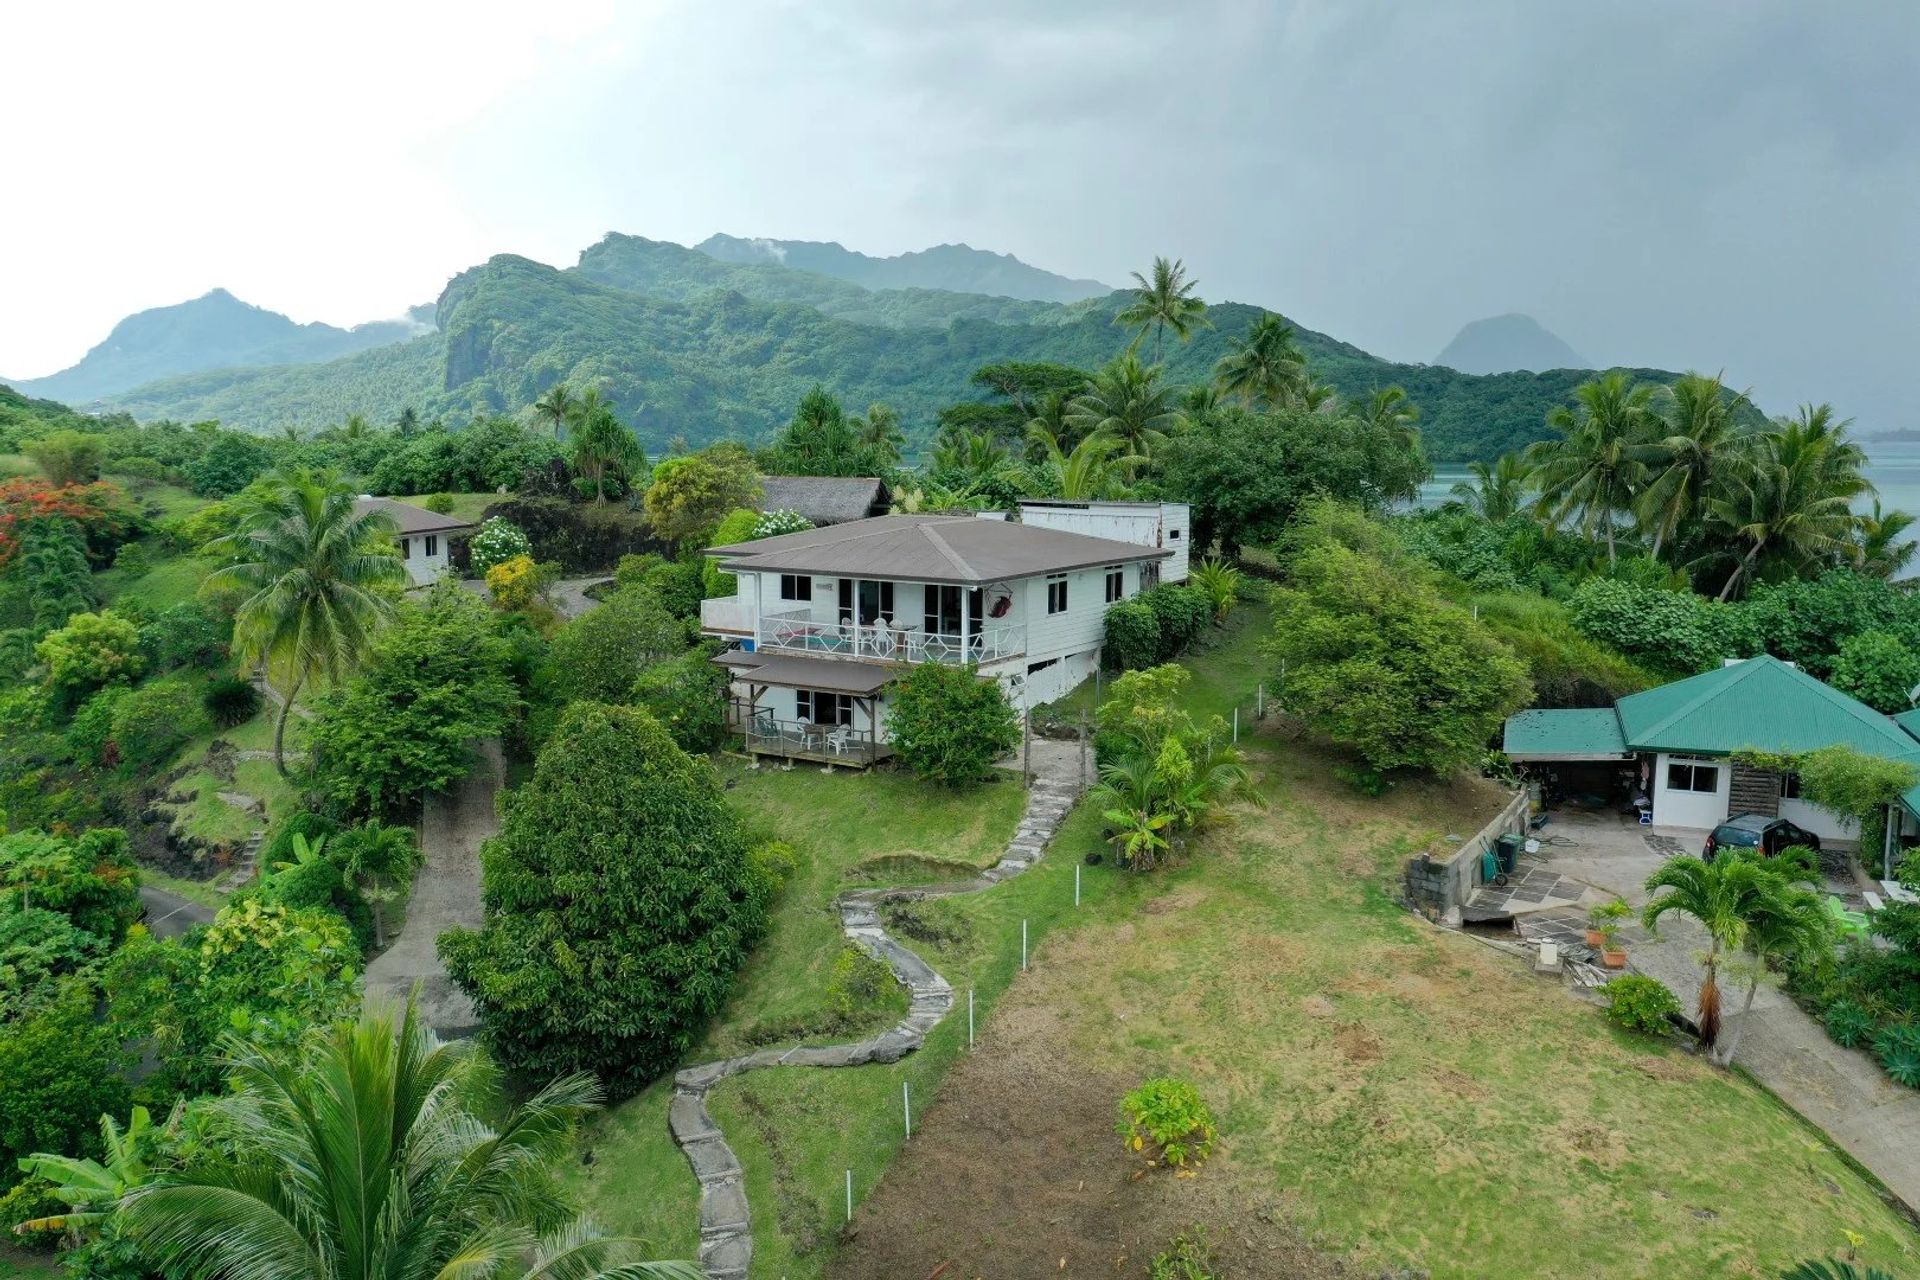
{"x":1433,"y":885}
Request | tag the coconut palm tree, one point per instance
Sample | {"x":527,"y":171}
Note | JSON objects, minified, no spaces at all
{"x":558,"y":405}
{"x":378,"y":1153}
{"x":315,"y":571}
{"x":1882,"y":549}
{"x":878,"y":430}
{"x":1498,"y":490}
{"x":1701,"y":449}
{"x":1723,"y":895}
{"x":1389,"y":410}
{"x":1596,"y":466}
{"x":1128,"y":401}
{"x":1318,"y":397}
{"x":1263,"y":368}
{"x":1794,"y":503}
{"x":407,"y":423}
{"x":1089,"y":470}
{"x":1165,"y":302}
{"x":1782,"y":921}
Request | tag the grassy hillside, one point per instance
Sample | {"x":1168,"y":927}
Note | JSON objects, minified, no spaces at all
{"x":689,"y":346}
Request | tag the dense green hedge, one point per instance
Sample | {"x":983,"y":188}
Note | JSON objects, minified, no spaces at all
{"x":1155,"y":626}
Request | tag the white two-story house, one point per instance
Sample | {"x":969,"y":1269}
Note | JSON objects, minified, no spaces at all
{"x":821,"y":620}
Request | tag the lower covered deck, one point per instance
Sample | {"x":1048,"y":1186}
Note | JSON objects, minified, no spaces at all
{"x":793,"y":708}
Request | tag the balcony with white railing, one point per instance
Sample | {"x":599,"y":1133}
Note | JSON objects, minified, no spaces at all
{"x":887,"y":642}
{"x":732,"y":616}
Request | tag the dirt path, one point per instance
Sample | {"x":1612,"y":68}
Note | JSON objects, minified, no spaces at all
{"x":446,"y":893}
{"x":726,"y":1224}
{"x":569,"y":595}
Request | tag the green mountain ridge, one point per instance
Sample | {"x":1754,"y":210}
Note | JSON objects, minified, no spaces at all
{"x":956,"y":268}
{"x":213,"y":331}
{"x":686,"y":345}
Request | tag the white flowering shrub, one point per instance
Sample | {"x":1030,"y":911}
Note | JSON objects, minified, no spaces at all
{"x":778,"y":522}
{"x":498,"y":541}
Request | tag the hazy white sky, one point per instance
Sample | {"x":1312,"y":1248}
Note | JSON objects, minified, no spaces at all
{"x":1718,"y":185}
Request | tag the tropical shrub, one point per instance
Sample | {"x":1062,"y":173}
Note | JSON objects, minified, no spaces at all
{"x":91,"y":878}
{"x":1675,"y":631}
{"x":64,"y":1068}
{"x":92,"y":650}
{"x":859,"y":983}
{"x":774,"y":864}
{"x":775,"y":523}
{"x":184,"y":635}
{"x":1641,"y":1004}
{"x":1166,"y":1120}
{"x":1879,"y":668}
{"x":1898,"y":1048}
{"x":67,"y":457}
{"x":514,"y":583}
{"x":948,"y":725}
{"x":616,"y":981}
{"x":1156,"y":625}
{"x":495,"y":542}
{"x":436,"y":680}
{"x":231,"y":463}
{"x":688,"y":696}
{"x":438,"y":503}
{"x":1160,"y":774}
{"x":1220,"y":583}
{"x":230,"y":700}
{"x":1849,"y":1024}
{"x":155,"y":720}
{"x":691,"y":494}
{"x":90,"y":734}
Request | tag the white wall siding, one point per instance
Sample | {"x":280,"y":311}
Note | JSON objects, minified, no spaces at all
{"x":1080,"y":627}
{"x":1165,"y":525}
{"x":422,"y":567}
{"x":1824,"y":823}
{"x":1700,"y":809}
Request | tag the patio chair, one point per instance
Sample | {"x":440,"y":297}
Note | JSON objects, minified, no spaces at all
{"x":1850,"y":922}
{"x":840,"y":739}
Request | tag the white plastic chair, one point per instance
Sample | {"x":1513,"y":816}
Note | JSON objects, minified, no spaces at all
{"x":839,"y":740}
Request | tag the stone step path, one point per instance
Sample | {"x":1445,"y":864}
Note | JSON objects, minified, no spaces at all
{"x":246,"y":865}
{"x":726,"y":1223}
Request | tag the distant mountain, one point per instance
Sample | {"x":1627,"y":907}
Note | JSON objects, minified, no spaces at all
{"x":214,"y":331}
{"x":688,"y":346}
{"x":1504,"y":344}
{"x":956,"y":268}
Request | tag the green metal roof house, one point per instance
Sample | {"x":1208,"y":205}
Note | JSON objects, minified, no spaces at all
{"x":1679,"y":736}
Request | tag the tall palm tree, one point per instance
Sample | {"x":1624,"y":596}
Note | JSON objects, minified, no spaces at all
{"x":878,"y":430}
{"x":1722,"y":895}
{"x":314,"y":570}
{"x":1167,"y":301}
{"x":1596,"y":465}
{"x":378,"y":1153}
{"x":1782,"y":921}
{"x":602,"y":445}
{"x":975,"y":459}
{"x":1498,"y":490}
{"x":1318,"y":397}
{"x":1699,"y":451}
{"x":1263,"y":368}
{"x":1128,"y":401}
{"x":1795,"y":502}
{"x":1883,"y":551}
{"x":1389,"y":410}
{"x":408,"y":422}
{"x":558,"y":405}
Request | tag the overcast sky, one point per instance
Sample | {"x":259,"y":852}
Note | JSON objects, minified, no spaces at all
{"x":1711,"y":186}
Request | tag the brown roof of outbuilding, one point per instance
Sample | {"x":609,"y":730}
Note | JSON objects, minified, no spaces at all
{"x":825,"y":499}
{"x":930,"y":548}
{"x":409,"y":518}
{"x":858,"y":678}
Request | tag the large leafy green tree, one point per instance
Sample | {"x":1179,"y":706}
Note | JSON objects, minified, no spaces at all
{"x":948,"y":725}
{"x":63,"y":1069}
{"x":1597,"y":464}
{"x":691,"y":494}
{"x":1244,"y":474}
{"x":1164,"y":299}
{"x":619,"y":902}
{"x":374,"y":1152}
{"x":1130,"y":403}
{"x":1371,"y":655}
{"x":90,"y":878}
{"x":438,"y":678}
{"x":597,"y":656}
{"x":317,"y":575}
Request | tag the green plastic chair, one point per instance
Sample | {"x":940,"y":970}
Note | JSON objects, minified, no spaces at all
{"x":1852,"y":922}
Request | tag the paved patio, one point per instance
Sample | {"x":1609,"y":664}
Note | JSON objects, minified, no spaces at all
{"x":1843,"y":1091}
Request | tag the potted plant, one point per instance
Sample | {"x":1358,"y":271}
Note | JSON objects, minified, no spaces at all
{"x":1607,"y":913}
{"x":1612,"y":954}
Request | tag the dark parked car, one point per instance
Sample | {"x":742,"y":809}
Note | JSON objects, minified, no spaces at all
{"x":1758,"y":831}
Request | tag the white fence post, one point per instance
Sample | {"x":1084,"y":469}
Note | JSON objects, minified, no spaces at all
{"x":906,"y":1105}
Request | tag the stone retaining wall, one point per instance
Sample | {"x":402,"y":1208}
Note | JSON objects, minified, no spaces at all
{"x":1436,"y":885}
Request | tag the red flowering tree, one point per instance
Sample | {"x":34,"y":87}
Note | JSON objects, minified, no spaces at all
{"x":101,"y":510}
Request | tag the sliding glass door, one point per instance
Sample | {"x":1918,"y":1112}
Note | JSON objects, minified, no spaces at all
{"x":866,"y":602}
{"x":943,"y":610}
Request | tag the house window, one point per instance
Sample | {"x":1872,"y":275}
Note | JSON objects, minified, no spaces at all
{"x":433,"y":546}
{"x":874,"y":601}
{"x":1702,"y":778}
{"x":406,"y":548}
{"x":1057,"y":595}
{"x":1173,"y":535}
{"x":1789,"y":786}
{"x":796,"y":586}
{"x":817,"y":706}
{"x":1116,"y":583}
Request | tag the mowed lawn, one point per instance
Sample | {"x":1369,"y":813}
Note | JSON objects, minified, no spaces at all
{"x":852,"y":830}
